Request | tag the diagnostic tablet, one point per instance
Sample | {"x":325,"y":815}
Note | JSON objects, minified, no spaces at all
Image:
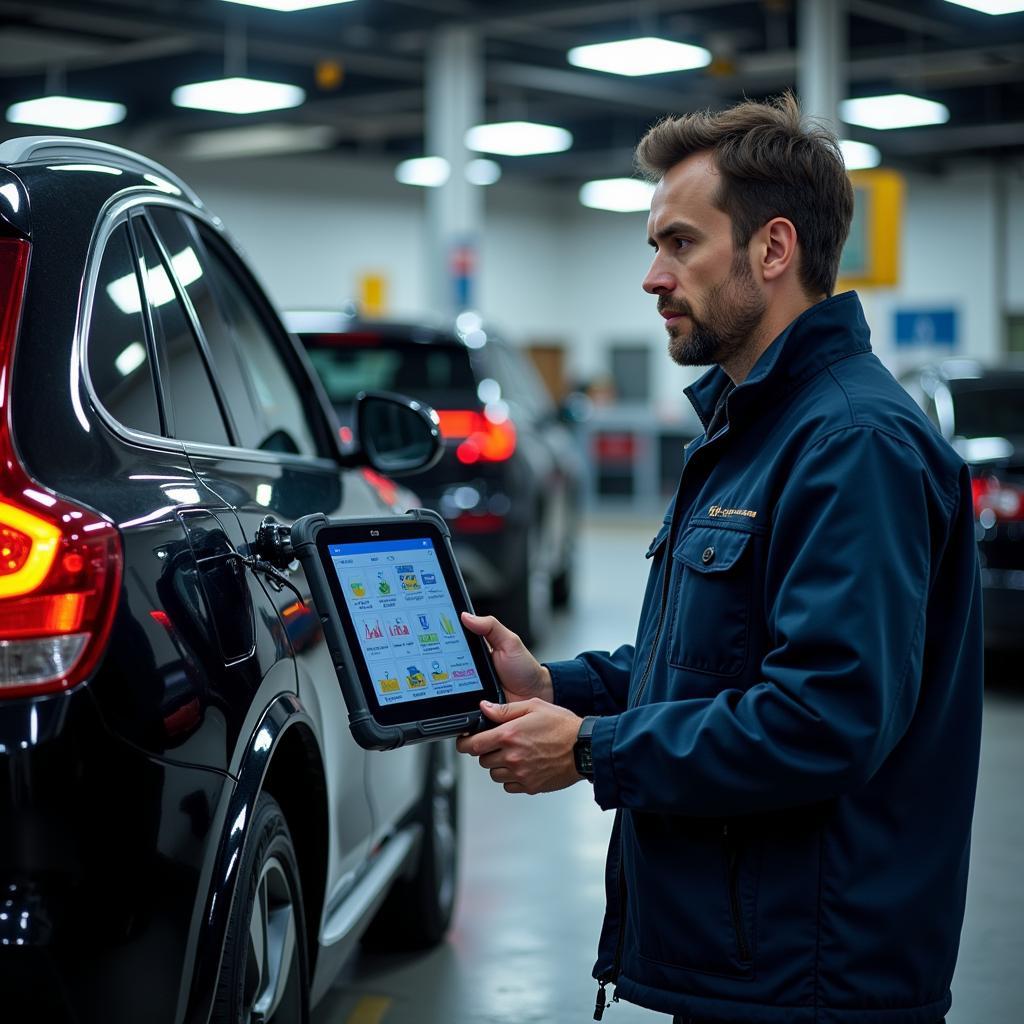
{"x":389,"y":595}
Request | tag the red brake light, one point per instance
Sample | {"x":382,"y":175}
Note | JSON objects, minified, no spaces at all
{"x":997,"y":500}
{"x":60,"y":563}
{"x":482,"y":439}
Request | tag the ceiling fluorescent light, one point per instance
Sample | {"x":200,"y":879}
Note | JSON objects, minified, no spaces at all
{"x":288,"y":5}
{"x":482,"y":171}
{"x":645,"y":56}
{"x":238,"y":95}
{"x":991,"y":6}
{"x":257,"y":140}
{"x":518,"y":138}
{"x":620,"y":195}
{"x":896,"y":111}
{"x":425,"y":171}
{"x":66,"y":112}
{"x":859,"y":156}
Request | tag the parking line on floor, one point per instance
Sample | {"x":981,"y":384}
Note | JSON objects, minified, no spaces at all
{"x":369,"y":1010}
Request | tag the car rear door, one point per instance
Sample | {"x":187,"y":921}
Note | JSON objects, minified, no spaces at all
{"x":272,"y":464}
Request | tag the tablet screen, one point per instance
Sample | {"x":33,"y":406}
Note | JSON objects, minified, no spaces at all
{"x":404,"y":619}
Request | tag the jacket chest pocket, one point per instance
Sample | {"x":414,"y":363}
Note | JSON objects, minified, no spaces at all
{"x":709,"y":611}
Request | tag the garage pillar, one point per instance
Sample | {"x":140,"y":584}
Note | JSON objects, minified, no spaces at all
{"x":455,"y":102}
{"x":821,"y":62}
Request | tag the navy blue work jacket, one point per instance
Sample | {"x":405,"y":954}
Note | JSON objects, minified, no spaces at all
{"x":792,"y":743}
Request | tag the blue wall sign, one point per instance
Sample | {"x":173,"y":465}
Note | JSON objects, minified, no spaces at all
{"x":926,"y":327}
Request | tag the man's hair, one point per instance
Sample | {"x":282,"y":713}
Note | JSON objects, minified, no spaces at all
{"x":771,"y":165}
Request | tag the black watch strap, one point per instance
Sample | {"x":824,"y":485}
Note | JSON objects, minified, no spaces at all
{"x":581,"y":751}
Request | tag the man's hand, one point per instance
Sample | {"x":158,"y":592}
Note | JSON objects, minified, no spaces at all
{"x":530,"y":750}
{"x":522,"y":675}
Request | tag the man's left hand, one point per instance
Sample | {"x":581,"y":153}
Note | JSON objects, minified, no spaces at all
{"x":530,"y":749}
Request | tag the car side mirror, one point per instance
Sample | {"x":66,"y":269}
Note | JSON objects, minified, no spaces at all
{"x":395,"y":435}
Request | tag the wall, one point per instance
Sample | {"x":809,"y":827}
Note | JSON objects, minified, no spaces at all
{"x":551,"y":269}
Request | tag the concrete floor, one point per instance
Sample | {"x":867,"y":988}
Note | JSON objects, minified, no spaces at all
{"x":531,"y":891}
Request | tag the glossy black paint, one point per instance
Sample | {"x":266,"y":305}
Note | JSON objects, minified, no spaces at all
{"x":123,"y":801}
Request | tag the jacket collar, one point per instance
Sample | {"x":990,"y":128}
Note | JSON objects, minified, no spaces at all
{"x":821,"y":335}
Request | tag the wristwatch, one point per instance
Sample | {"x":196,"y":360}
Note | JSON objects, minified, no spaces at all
{"x":581,"y":753}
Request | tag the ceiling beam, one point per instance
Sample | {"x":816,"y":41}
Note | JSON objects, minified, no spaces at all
{"x":601,"y":88}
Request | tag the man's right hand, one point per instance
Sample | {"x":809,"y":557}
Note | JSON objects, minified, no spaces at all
{"x":522,"y":675}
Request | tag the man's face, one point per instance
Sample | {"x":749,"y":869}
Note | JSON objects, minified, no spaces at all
{"x":706,"y":290}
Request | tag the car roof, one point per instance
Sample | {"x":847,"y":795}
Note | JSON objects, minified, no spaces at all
{"x":431,"y":330}
{"x":59,"y":149}
{"x":973,"y":372}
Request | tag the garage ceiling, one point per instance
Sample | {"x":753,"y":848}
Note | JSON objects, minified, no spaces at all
{"x":137,"y":51}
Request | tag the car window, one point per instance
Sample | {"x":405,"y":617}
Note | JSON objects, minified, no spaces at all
{"x":285,"y":422}
{"x":983,"y":409}
{"x":263,"y":397}
{"x":196,"y":415}
{"x":118,"y":357}
{"x":523,"y":383}
{"x":439,"y":374}
{"x":194,"y":274}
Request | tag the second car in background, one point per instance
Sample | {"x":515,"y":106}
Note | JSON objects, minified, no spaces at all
{"x":511,"y":479}
{"x":980,"y":411}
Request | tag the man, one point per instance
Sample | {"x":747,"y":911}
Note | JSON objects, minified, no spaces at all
{"x":791,"y":746}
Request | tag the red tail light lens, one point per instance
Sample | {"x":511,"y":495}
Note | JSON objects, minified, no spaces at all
{"x":483,"y":439}
{"x":996,"y":500}
{"x":60,"y":563}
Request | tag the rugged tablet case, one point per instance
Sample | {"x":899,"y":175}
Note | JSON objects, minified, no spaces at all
{"x":368,"y":733}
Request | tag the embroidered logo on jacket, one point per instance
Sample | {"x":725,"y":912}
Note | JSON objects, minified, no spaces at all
{"x":716,"y":512}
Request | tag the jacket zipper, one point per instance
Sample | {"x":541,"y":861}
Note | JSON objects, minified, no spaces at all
{"x":613,"y":978}
{"x":732,"y":860}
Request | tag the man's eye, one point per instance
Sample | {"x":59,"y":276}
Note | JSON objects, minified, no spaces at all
{"x":681,"y":243}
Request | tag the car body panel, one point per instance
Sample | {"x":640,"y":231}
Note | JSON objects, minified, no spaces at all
{"x":121,"y":787}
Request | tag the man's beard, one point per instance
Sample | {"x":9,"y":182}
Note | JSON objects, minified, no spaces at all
{"x":734,"y":310}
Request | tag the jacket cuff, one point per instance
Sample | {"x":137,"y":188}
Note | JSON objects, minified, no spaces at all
{"x":602,"y":739}
{"x":574,"y":686}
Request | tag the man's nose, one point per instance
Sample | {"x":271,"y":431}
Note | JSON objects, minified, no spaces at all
{"x":658,"y":282}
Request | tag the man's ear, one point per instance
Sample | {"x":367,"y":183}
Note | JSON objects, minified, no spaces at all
{"x":777,"y":250}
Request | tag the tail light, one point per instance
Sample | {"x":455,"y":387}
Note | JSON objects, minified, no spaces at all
{"x":995,"y":500}
{"x":60,"y":563}
{"x":483,"y":436}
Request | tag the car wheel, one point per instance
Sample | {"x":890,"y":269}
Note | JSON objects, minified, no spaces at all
{"x":526,"y":609}
{"x":561,"y":585}
{"x":263,"y":974}
{"x":418,"y":910}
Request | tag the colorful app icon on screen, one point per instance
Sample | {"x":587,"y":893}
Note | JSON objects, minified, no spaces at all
{"x":388,"y":683}
{"x":415,"y":679}
{"x":407,"y":578}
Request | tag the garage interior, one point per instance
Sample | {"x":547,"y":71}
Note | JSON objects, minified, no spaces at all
{"x":333,"y":204}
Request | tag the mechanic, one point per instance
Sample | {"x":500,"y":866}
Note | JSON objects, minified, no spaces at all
{"x":791,"y":745}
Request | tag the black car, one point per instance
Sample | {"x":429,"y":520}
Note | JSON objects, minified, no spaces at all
{"x":510,"y":482}
{"x":188,"y":832}
{"x":980,"y":411}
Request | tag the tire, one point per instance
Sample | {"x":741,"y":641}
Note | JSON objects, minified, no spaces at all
{"x":526,"y":609}
{"x":561,"y":585}
{"x":418,"y":911}
{"x":264,"y":971}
